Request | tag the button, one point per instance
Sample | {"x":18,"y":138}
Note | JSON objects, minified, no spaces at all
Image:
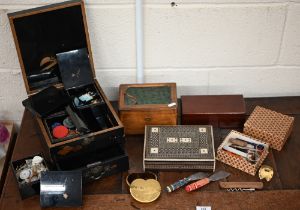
{"x":25,"y":174}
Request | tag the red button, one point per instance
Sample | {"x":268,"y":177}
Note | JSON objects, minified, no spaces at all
{"x":60,"y":131}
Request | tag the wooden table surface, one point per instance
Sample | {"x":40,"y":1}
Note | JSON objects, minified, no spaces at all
{"x":282,"y":192}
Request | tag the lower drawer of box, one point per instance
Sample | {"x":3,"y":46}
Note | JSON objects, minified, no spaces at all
{"x":97,"y":164}
{"x":135,"y":121}
{"x":180,"y":165}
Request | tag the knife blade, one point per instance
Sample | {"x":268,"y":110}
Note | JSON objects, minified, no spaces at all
{"x":184,"y":181}
{"x":215,"y":177}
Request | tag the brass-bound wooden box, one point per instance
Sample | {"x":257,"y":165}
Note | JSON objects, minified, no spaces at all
{"x":147,"y":104}
{"x":269,"y":126}
{"x":55,"y":56}
{"x":179,"y":147}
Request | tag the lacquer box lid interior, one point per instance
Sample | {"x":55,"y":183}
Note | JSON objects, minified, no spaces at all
{"x":149,"y":95}
{"x":42,"y":33}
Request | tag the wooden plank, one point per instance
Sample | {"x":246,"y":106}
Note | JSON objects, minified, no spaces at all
{"x":286,"y":199}
{"x":288,"y":159}
{"x":107,"y":185}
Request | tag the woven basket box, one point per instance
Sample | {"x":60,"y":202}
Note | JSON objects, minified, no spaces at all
{"x":238,"y":161}
{"x":269,"y":126}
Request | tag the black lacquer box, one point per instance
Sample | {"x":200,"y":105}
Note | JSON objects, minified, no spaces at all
{"x":73,"y":115}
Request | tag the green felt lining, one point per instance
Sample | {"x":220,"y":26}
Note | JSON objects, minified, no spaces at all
{"x":148,"y":95}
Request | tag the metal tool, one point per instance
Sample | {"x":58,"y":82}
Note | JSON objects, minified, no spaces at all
{"x":184,"y":181}
{"x":215,"y":177}
{"x":240,"y":190}
{"x":241,"y":185}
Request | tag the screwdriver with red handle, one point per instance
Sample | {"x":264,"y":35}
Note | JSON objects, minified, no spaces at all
{"x":215,"y":177}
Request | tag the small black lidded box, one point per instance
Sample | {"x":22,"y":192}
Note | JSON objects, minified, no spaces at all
{"x":61,"y":189}
{"x":73,"y":114}
{"x":27,"y":172}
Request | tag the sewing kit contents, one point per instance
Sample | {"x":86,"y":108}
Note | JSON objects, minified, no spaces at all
{"x":215,"y":177}
{"x":31,"y":170}
{"x":266,"y":172}
{"x":241,"y":186}
{"x":242,"y":152}
{"x":87,"y":98}
{"x":27,"y":172}
{"x":143,"y":187}
{"x":181,"y":147}
{"x":250,"y":150}
{"x":60,"y":126}
{"x":184,"y":181}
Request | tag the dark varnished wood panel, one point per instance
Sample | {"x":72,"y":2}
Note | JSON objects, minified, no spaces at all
{"x":288,"y":199}
{"x":288,"y":159}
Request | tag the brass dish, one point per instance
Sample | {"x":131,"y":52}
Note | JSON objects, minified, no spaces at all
{"x":143,"y":187}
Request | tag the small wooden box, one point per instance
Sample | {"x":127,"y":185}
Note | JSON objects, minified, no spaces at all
{"x":179,"y":147}
{"x":43,"y":34}
{"x":147,"y":104}
{"x":269,"y":126}
{"x":224,"y":111}
{"x":238,"y":161}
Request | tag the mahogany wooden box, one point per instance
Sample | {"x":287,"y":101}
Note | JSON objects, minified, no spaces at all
{"x":224,"y":111}
{"x":147,"y":104}
{"x":40,"y":35}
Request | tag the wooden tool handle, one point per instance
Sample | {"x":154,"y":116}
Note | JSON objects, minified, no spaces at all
{"x":254,"y":185}
{"x":238,"y":142}
{"x":197,"y":185}
{"x":177,"y":185}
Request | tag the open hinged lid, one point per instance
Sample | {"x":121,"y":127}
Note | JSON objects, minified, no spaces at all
{"x":42,"y":33}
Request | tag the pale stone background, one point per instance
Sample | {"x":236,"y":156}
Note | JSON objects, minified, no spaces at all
{"x":207,"y":47}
